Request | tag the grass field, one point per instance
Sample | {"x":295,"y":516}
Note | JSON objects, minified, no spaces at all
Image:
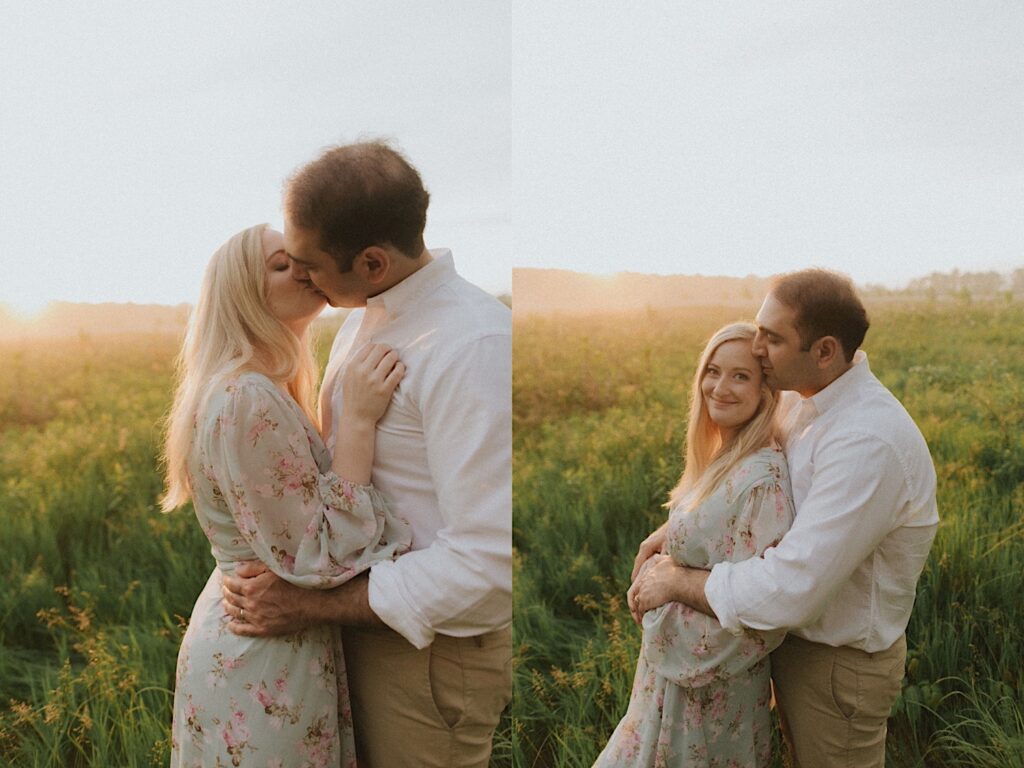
{"x":97,"y":584}
{"x":599,"y":421}
{"x":96,"y":580}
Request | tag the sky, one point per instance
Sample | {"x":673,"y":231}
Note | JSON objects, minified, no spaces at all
{"x":135,"y":138}
{"x":881,"y":139}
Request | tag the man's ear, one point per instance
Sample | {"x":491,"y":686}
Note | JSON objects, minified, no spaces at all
{"x":827,"y":350}
{"x":373,"y":264}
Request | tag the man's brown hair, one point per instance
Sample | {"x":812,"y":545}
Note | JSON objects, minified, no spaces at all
{"x":826,"y":304}
{"x":358,"y":195}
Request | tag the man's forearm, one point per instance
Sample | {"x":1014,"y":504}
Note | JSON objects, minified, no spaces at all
{"x":690,"y":590}
{"x":348,"y":604}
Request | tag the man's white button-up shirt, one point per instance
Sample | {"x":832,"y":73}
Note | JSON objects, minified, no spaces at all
{"x":443,"y":456}
{"x":864,"y":491}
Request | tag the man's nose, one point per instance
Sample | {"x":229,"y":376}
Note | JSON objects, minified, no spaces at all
{"x":299,"y":272}
{"x":757,"y":346}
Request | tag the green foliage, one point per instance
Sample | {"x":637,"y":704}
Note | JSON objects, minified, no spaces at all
{"x":96,"y":578}
{"x":599,"y":415}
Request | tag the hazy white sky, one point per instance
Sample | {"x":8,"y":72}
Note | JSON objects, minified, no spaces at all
{"x":137,"y":137}
{"x":883,"y":139}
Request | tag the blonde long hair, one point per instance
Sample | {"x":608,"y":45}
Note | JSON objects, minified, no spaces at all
{"x":708,"y":460}
{"x":231,"y":330}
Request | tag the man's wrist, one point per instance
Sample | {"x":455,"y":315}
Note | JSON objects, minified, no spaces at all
{"x":691,"y":590}
{"x":307,"y":607}
{"x":349,"y":605}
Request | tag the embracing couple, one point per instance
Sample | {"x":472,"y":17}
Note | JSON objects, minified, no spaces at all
{"x":361,"y":601}
{"x":807,"y":506}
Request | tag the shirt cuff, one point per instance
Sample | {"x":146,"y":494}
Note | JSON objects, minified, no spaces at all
{"x":717,"y":593}
{"x":388,"y":601}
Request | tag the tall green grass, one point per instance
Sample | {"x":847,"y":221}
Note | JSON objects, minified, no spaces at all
{"x":97,"y":584}
{"x":599,"y":414}
{"x":96,"y":580}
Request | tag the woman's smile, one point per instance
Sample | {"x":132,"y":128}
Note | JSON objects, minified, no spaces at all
{"x":731,"y":385}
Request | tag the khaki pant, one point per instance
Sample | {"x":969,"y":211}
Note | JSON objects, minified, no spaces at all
{"x":423,"y":708}
{"x":834,"y":702}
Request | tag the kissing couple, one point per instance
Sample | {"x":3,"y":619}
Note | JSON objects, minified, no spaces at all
{"x":360,"y":606}
{"x":807,"y":507}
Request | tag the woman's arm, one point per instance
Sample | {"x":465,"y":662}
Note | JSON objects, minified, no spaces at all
{"x":274,"y":605}
{"x":369,"y":381}
{"x":683,"y":639}
{"x":763,"y":513}
{"x":313,"y":529}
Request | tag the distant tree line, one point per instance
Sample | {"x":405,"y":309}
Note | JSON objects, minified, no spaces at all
{"x":960,"y":285}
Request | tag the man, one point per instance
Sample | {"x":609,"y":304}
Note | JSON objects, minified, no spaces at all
{"x":843,"y":579}
{"x":427,"y":638}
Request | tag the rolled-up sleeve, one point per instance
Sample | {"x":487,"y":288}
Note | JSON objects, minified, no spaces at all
{"x":461,"y":584}
{"x":857,"y":493}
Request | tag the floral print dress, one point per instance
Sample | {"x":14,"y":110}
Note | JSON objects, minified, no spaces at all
{"x":700,"y":696}
{"x":263,"y":489}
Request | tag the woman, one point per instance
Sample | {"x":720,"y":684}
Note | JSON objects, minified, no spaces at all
{"x":700,"y":695}
{"x":243,"y":446}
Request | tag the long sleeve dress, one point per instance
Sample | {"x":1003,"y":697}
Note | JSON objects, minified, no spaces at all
{"x":263,"y":489}
{"x":700,"y":696}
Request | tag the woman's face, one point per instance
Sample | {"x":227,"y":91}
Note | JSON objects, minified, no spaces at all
{"x":731,"y":386}
{"x":295,"y":302}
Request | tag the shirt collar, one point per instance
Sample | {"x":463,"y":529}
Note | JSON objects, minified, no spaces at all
{"x":841,"y":388}
{"x":396,"y":299}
